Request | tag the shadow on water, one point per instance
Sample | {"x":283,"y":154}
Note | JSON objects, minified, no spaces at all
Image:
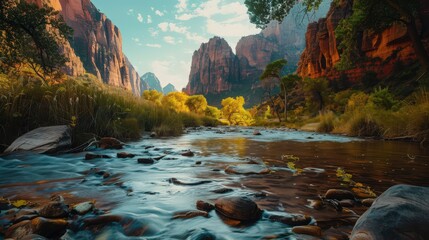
{"x":147,"y":194}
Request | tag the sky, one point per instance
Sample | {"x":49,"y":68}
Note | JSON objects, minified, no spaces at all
{"x":160,"y":36}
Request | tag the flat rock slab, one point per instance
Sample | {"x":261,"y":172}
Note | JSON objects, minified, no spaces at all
{"x":43,"y":140}
{"x":247,"y":169}
{"x":401,"y":212}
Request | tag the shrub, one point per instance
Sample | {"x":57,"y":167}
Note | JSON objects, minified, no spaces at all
{"x":326,"y":122}
{"x":363,"y":125}
{"x":383,"y":99}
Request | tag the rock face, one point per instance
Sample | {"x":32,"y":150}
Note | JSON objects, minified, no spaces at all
{"x":152,"y":82}
{"x":96,"y":46}
{"x":386,"y":49}
{"x":169,"y":88}
{"x":43,"y":140}
{"x":217,"y":72}
{"x":214,"y":68}
{"x":399,"y":213}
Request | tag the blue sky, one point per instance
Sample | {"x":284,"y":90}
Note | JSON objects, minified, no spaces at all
{"x":160,"y":36}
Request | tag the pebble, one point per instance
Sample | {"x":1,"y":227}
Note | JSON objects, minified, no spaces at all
{"x":83,"y":208}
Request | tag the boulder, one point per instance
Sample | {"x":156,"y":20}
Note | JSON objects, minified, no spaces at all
{"x":339,"y":194}
{"x":308,"y":230}
{"x":204,"y":206}
{"x":43,"y":140}
{"x":54,"y":210}
{"x":49,"y":228}
{"x":238,"y":208}
{"x":247,"y":169}
{"x":401,"y":212}
{"x":187,"y":153}
{"x":125,"y":155}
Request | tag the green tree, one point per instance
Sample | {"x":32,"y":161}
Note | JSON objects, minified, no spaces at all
{"x":382,"y":98}
{"x":152,"y":96}
{"x":316,"y":91}
{"x":176,"y":101}
{"x":31,"y":35}
{"x":368,"y":15}
{"x":197,"y":104}
{"x":234,"y":112}
{"x":273,"y":71}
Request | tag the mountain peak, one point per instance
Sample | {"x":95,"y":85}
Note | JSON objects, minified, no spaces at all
{"x":152,"y":81}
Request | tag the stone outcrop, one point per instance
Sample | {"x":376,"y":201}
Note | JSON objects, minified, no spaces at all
{"x":214,"y":68}
{"x":386,"y":49}
{"x":152,"y":82}
{"x":96,"y":45}
{"x":169,"y":88}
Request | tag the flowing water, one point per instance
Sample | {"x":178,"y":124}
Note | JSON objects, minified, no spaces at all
{"x":145,"y":194}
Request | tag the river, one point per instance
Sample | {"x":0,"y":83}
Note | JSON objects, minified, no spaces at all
{"x":144,"y":192}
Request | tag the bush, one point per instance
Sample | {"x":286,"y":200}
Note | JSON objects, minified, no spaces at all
{"x":383,"y":99}
{"x":363,"y":125}
{"x":326,"y":122}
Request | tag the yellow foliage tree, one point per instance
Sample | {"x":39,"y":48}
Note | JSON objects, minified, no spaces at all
{"x":197,"y":104}
{"x":176,"y":101}
{"x":234,"y":112}
{"x":213,"y":112}
{"x":152,"y":96}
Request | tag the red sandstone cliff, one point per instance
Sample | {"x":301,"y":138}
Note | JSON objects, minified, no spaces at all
{"x":96,"y":46}
{"x":214,"y":68}
{"x":385,"y":49}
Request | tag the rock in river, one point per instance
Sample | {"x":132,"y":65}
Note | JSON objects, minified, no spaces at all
{"x":339,"y":194}
{"x":146,"y":160}
{"x":110,"y":143}
{"x":43,"y":140}
{"x":204,"y":206}
{"x":401,"y":212}
{"x":247,"y":169}
{"x":54,"y":210}
{"x":189,"y":214}
{"x":291,"y":219}
{"x":178,"y":182}
{"x":83,"y":208}
{"x":239,"y":208}
{"x":49,"y":228}
{"x":90,"y":156}
{"x":308,"y":230}
{"x":125,"y":155}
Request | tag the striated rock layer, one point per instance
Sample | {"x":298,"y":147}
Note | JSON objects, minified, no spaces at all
{"x":96,"y":45}
{"x":385,"y":50}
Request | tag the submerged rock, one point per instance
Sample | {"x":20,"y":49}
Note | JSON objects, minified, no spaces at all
{"x":291,"y":219}
{"x":49,"y":228}
{"x":257,"y":133}
{"x":146,"y":160}
{"x":125,"y":155}
{"x":368,"y":202}
{"x":401,"y":212}
{"x":188,"y":153}
{"x":223,"y":190}
{"x":308,"y":230}
{"x":110,"y":143}
{"x":238,"y":208}
{"x":43,"y":140}
{"x":204,"y":206}
{"x":189,"y":214}
{"x":339,"y":194}
{"x":247,"y":169}
{"x":90,"y":156}
{"x":178,"y":182}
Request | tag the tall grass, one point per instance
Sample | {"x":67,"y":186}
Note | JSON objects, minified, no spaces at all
{"x":90,"y":107}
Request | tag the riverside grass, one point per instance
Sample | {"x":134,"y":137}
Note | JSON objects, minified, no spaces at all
{"x":90,"y":107}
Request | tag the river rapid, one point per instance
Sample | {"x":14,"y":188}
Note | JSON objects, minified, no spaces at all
{"x":147,"y":195}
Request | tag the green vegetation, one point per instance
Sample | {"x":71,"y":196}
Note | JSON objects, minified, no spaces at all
{"x":30,"y":37}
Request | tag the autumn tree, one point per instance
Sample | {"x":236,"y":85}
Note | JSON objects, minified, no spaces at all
{"x":234,"y":112}
{"x":197,"y":104}
{"x":213,"y":112}
{"x":176,"y":101}
{"x":31,"y":35}
{"x":152,"y":96}
{"x":367,"y":15}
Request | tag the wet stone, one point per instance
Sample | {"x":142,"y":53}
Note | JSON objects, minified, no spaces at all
{"x":178,"y":182}
{"x":146,"y":160}
{"x":153,"y":134}
{"x":292,"y":219}
{"x":49,"y":228}
{"x":257,"y":133}
{"x":188,"y":153}
{"x":368,"y":202}
{"x":204,"y":206}
{"x":247,"y":169}
{"x":125,"y":155}
{"x":223,"y":190}
{"x":315,"y":204}
{"x":347,"y":203}
{"x":189,"y":214}
{"x":90,"y":156}
{"x":198,"y":163}
{"x":308,"y":230}
{"x":54,"y":210}
{"x":238,"y":208}
{"x":83,"y":208}
{"x":339,"y":194}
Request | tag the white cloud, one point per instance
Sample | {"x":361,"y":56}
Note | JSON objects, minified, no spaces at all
{"x":153,"y":45}
{"x":170,"y":40}
{"x":228,"y":29}
{"x":172,"y":27}
{"x":139,"y":17}
{"x":149,"y":19}
{"x":195,"y":37}
{"x":130,"y":11}
{"x":182,"y":5}
{"x":185,"y":17}
{"x":159,"y":13}
{"x":163,"y":26}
